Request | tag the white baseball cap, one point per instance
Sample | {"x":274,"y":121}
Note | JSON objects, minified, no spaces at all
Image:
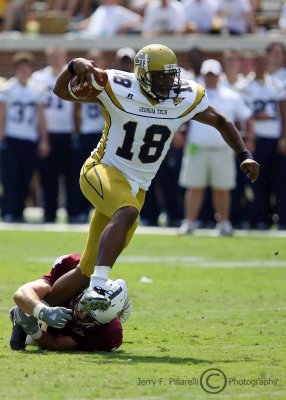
{"x":211,"y":66}
{"x":125,"y":52}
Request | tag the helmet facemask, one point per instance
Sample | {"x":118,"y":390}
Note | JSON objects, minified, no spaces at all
{"x":169,"y":86}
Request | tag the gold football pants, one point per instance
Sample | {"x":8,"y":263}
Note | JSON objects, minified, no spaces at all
{"x":107,"y":190}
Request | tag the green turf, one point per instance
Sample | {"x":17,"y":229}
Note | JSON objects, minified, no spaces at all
{"x":206,"y":307}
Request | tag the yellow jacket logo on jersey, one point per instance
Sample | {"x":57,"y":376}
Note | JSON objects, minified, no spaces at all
{"x":178,"y":100}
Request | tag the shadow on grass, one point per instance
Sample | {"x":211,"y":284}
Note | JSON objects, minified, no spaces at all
{"x":121,"y":357}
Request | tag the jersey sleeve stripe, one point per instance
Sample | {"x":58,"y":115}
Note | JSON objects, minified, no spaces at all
{"x":199,"y":96}
{"x":112,"y":96}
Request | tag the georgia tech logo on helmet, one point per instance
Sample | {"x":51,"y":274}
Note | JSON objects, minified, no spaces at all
{"x":178,"y":100}
{"x":142,"y":60}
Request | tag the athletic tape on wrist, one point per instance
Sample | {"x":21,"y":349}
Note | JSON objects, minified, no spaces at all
{"x":71,"y":67}
{"x":37,"y":309}
{"x":244,"y":155}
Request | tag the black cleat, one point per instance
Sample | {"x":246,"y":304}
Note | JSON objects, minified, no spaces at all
{"x":18,"y":336}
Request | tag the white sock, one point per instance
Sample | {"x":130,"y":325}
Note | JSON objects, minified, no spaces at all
{"x":100,"y":276}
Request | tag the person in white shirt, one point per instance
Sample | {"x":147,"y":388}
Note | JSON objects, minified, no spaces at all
{"x":237,"y":16}
{"x":207,"y":159}
{"x":109,"y":19}
{"x":60,"y":117}
{"x":232,"y":78}
{"x":23,"y":136}
{"x":200,"y":15}
{"x":282,"y":19}
{"x":267,"y":99}
{"x":163,"y":17}
{"x":90,"y":121}
{"x":276,"y":59}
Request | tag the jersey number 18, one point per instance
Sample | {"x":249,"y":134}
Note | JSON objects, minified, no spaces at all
{"x":145,"y":154}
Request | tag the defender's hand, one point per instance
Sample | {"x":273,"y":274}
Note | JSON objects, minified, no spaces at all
{"x":27,"y":322}
{"x":56,"y":317}
{"x":250,"y":168}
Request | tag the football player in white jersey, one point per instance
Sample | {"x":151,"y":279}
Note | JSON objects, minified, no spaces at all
{"x":23,"y":136}
{"x":276,"y":57}
{"x":90,"y":121}
{"x":266,"y":97}
{"x":60,"y":125}
{"x":142,"y":111}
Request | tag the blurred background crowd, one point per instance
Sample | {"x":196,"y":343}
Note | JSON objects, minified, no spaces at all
{"x":45,"y":140}
{"x":107,"y":18}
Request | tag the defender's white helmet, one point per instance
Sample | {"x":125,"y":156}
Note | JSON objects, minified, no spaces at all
{"x":117,"y":292}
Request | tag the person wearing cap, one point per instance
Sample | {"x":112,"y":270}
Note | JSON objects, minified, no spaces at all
{"x":23,"y":135}
{"x":124,"y":59}
{"x":207,"y":160}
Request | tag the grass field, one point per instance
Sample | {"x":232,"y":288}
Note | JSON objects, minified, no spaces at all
{"x":213,"y":303}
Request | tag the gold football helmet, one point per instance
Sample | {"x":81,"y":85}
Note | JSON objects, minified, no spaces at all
{"x":156,"y":69}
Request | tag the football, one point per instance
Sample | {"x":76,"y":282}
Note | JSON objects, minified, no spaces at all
{"x":84,"y":92}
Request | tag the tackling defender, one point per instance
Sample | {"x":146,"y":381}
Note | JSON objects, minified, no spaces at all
{"x":67,"y":327}
{"x":142,"y":112}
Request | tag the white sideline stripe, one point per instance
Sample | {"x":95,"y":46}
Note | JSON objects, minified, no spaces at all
{"x":197,"y":262}
{"x":141,"y":230}
{"x":184,"y":262}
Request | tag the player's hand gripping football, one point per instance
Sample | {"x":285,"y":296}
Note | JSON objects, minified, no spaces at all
{"x":87,"y":71}
{"x":56,"y":317}
{"x":250,"y":168}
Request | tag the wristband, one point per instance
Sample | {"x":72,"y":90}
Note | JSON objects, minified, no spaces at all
{"x":71,"y":67}
{"x":244,"y":155}
{"x":38,"y":307}
{"x":37,"y":335}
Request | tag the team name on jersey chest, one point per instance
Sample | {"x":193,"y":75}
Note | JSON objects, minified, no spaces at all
{"x":154,"y":111}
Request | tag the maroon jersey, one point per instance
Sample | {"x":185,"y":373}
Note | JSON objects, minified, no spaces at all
{"x":105,"y":337}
